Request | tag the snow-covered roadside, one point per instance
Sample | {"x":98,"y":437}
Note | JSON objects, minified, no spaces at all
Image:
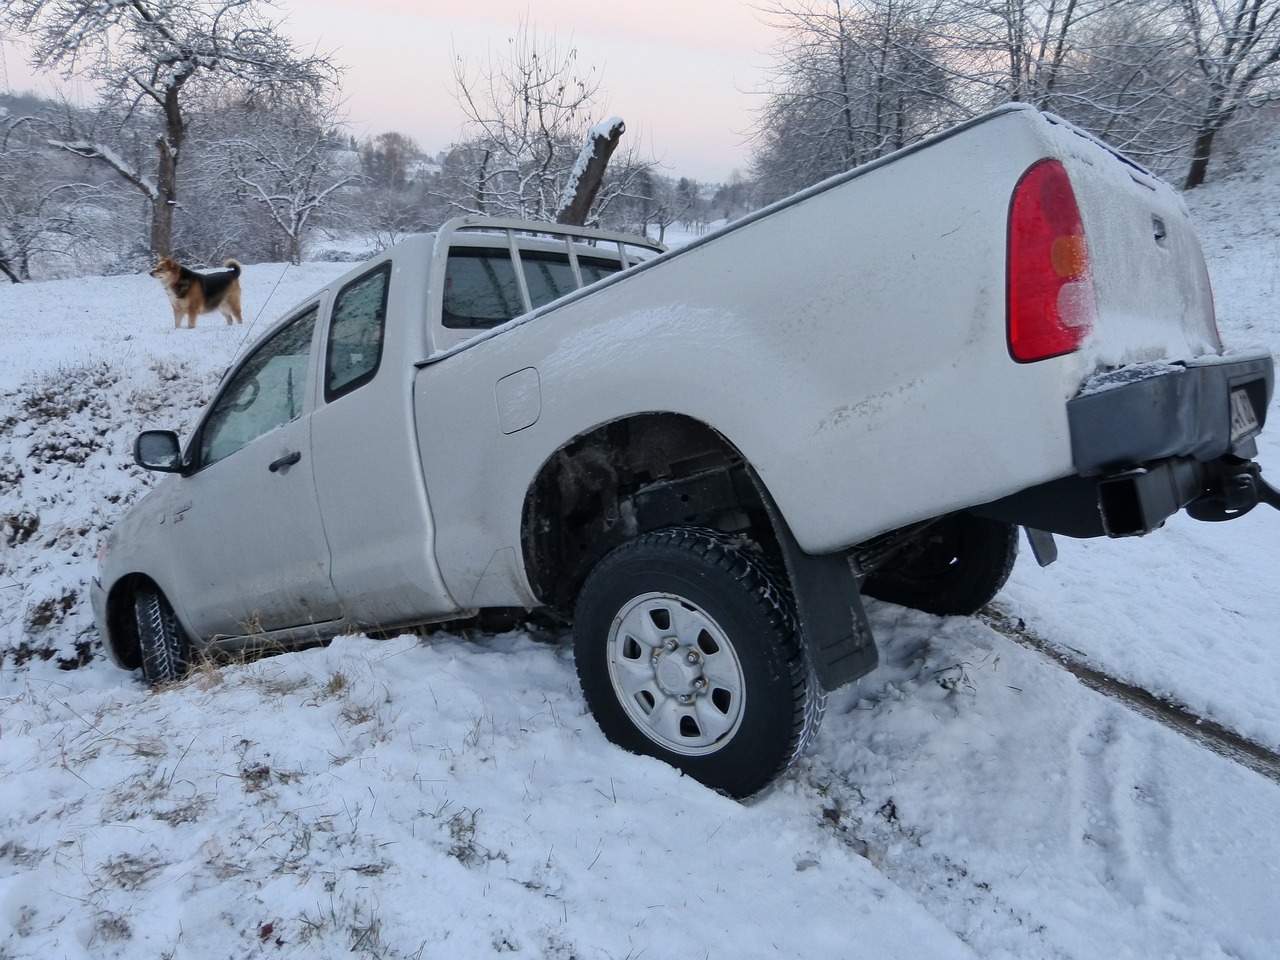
{"x":452,"y":798}
{"x":379,"y":798}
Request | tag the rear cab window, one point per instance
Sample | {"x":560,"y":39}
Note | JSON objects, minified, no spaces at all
{"x":481,"y":289}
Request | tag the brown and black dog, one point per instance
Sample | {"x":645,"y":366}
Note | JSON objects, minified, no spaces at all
{"x":192,"y":293}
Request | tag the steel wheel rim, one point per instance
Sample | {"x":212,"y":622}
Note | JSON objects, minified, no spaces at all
{"x":676,"y":674}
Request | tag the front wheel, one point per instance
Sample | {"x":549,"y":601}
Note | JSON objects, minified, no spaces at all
{"x":160,"y":639}
{"x":687,"y":650}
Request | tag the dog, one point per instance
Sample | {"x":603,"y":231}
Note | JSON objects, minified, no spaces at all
{"x":192,"y":293}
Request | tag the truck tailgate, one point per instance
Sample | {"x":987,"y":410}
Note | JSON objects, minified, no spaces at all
{"x":1151,"y":285}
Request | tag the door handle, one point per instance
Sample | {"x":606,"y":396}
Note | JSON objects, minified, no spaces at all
{"x":288,"y":460}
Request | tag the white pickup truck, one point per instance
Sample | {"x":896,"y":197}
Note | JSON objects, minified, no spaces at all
{"x":703,"y":458}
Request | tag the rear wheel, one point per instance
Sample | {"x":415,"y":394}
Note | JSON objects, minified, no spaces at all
{"x":954,"y":567}
{"x":687,"y":650}
{"x":160,"y":640}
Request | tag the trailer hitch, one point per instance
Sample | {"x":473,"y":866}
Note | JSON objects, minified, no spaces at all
{"x":1239,"y":488}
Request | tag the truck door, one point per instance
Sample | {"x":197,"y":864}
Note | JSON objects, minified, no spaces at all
{"x":368,"y":471}
{"x":248,"y":546}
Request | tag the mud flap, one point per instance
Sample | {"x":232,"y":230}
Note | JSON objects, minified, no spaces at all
{"x":1043,"y":546}
{"x":833,"y":622}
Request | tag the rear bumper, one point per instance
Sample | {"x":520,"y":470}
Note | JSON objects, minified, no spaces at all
{"x":1151,"y":412}
{"x":1151,"y":439}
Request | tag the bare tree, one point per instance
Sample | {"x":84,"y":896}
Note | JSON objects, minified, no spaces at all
{"x":1236,"y":46}
{"x":693,"y":206}
{"x":387,"y":160}
{"x":289,"y":164}
{"x":1018,"y":49}
{"x":1130,"y":82}
{"x":853,"y":79}
{"x":736,"y":197}
{"x":48,"y":213}
{"x":1160,"y":78}
{"x":160,"y":53}
{"x":530,"y":108}
{"x":34,"y":219}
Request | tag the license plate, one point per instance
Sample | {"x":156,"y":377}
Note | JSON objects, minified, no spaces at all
{"x":1243,"y":420}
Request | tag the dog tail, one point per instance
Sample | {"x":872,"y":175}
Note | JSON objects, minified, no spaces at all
{"x":233,"y":266}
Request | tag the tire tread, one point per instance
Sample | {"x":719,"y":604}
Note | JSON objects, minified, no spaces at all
{"x":160,"y":638}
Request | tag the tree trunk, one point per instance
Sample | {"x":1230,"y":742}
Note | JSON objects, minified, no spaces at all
{"x":1200,"y":154}
{"x":166,"y":199}
{"x":170,"y":146}
{"x":602,"y":140}
{"x":7,"y":269}
{"x":482,"y":181}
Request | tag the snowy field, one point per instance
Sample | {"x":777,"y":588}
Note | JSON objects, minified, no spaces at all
{"x":452,"y":799}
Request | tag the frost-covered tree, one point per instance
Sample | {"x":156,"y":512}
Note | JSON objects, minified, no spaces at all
{"x":35,"y":218}
{"x":161,"y":54}
{"x":529,"y":108}
{"x":388,"y":159}
{"x":735,"y":197}
{"x":50,"y":214}
{"x":1019,"y":49}
{"x":1130,"y":82}
{"x":400,"y":192}
{"x":1235,"y":46}
{"x":290,"y":166}
{"x":1159,"y":78}
{"x":852,"y":80}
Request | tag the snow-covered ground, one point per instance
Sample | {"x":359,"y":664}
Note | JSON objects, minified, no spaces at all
{"x":451,"y":798}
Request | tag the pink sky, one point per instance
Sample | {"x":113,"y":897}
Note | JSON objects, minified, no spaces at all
{"x":678,"y":71}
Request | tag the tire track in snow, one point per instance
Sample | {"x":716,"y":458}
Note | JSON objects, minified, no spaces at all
{"x":1201,"y":730}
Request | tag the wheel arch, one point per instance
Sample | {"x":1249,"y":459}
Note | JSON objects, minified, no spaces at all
{"x":628,"y":477}
{"x":655,"y":470}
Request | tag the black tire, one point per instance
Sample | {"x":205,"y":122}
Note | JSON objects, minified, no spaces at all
{"x":687,"y":650}
{"x":161,"y":642}
{"x":953,"y":568}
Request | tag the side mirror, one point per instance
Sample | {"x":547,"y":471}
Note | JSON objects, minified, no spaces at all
{"x":158,"y":450}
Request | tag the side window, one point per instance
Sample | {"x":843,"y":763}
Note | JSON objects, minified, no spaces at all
{"x":549,"y":276}
{"x":267,"y":391}
{"x":593,"y":269}
{"x":480,"y":287}
{"x":354,"y":350}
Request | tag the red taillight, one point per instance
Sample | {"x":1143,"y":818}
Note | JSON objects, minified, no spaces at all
{"x":1051,"y":305}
